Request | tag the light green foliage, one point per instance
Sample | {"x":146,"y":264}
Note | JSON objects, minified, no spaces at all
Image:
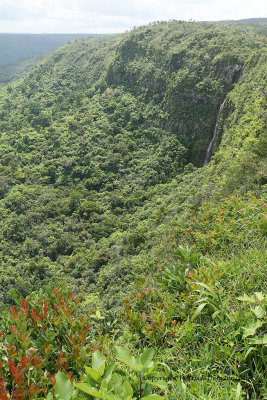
{"x":258,"y":302}
{"x":173,"y":278}
{"x":209,"y":298}
{"x":63,"y":389}
{"x":111,"y":382}
{"x":207,"y":391}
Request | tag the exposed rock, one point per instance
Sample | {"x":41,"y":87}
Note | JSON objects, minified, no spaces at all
{"x":232,"y":73}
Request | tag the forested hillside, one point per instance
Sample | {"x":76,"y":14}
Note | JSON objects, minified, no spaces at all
{"x":10,"y":72}
{"x":103,"y":188}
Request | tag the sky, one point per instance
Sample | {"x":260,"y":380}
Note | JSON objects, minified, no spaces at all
{"x":111,"y":16}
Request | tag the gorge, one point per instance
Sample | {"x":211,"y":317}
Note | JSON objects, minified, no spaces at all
{"x":103,"y":194}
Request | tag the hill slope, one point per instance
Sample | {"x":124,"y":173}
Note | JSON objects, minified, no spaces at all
{"x":10,"y":72}
{"x":92,"y":137}
{"x":103,"y":188}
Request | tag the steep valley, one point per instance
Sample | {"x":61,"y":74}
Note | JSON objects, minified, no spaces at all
{"x":102,"y":146}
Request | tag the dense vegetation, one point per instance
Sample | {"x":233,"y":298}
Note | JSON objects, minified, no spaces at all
{"x":101,"y":188}
{"x":10,"y":72}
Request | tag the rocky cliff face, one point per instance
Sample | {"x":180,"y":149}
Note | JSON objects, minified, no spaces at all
{"x":184,"y":78}
{"x":232,"y":73}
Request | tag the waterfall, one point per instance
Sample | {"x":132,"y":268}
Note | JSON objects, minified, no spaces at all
{"x":208,"y":152}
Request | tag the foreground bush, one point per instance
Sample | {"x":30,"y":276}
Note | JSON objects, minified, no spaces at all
{"x":39,"y":337}
{"x":132,"y":379}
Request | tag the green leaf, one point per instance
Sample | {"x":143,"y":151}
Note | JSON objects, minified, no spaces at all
{"x":259,"y":340}
{"x":50,"y":396}
{"x":203,"y":299}
{"x":259,"y":312}
{"x":198,"y":310}
{"x":208,"y":288}
{"x":125,"y":356}
{"x":95,"y":375}
{"x":238,"y":391}
{"x":146,"y":357}
{"x":98,"y":315}
{"x":110,"y":368}
{"x":214,"y":315}
{"x":63,"y":387}
{"x":183,"y":385}
{"x":10,"y":339}
{"x":160,"y":384}
{"x":250,"y":349}
{"x":86,"y":388}
{"x":245,"y":297}
{"x":127,"y":390}
{"x":251,"y":328}
{"x":114,"y":382}
{"x":152,"y":397}
{"x":259,"y":296}
{"x":98,"y":362}
{"x":50,"y":335}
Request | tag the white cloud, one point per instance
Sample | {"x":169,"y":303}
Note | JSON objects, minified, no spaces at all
{"x":116,"y":15}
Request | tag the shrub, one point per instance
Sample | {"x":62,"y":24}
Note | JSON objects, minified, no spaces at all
{"x":234,"y":221}
{"x":113,"y":382}
{"x":41,"y":335}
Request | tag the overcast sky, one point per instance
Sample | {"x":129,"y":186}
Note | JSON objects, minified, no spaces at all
{"x":109,"y":16}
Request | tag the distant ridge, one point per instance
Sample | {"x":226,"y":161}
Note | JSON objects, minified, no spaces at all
{"x":15,"y":46}
{"x":247,"y":21}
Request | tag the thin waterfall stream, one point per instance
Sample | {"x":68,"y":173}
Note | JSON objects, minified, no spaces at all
{"x":208,"y":152}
